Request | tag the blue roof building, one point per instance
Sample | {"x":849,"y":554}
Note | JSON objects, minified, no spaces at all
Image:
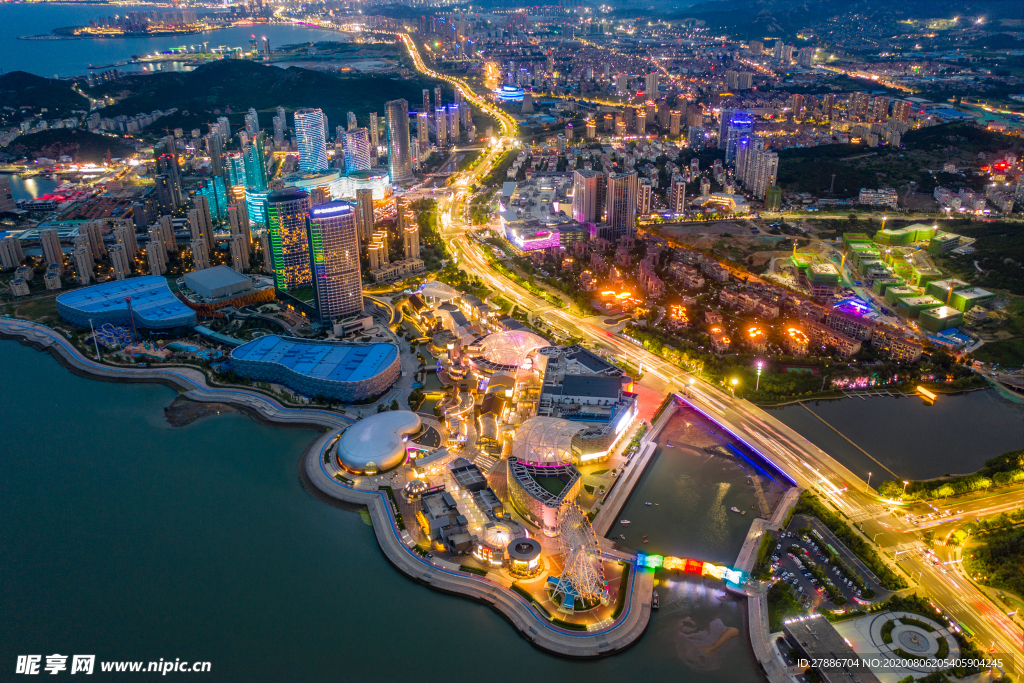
{"x":154,"y":305}
{"x":347,"y":372}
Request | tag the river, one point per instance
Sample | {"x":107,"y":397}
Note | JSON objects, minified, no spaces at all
{"x":955,"y":435}
{"x":130,"y":539}
{"x":73,"y":57}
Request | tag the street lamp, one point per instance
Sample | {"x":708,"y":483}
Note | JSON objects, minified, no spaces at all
{"x":757,"y":386}
{"x":905,"y":482}
{"x":734,"y":383}
{"x":869,"y":481}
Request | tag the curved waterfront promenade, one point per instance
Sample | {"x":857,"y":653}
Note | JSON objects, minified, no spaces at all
{"x":395,"y":543}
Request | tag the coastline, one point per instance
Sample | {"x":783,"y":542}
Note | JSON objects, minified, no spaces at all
{"x":315,"y":478}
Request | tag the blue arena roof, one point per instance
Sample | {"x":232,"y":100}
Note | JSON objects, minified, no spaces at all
{"x":335,"y":362}
{"x":154,"y":305}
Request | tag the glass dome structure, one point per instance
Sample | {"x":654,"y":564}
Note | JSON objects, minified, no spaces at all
{"x":546,"y":441}
{"x":511,"y":348}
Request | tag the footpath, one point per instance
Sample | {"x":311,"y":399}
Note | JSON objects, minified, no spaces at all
{"x":324,"y":480}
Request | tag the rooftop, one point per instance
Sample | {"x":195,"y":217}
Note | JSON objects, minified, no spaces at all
{"x":591,"y":386}
{"x":332,"y":361}
{"x":152,"y":299}
{"x":378,"y":439}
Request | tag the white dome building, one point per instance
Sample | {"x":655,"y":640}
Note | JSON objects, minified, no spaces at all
{"x":547,"y":441}
{"x":377,"y":443}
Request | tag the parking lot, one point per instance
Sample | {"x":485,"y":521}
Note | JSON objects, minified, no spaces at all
{"x":819,"y":572}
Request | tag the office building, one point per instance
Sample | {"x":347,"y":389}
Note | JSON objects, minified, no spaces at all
{"x":374,"y":137}
{"x":423,"y":133}
{"x":50,"y":243}
{"x":287,"y":211}
{"x":399,"y":144}
{"x":620,"y":205}
{"x":311,"y":139}
{"x":441,"y":126}
{"x":334,"y":261}
{"x":119,"y":261}
{"x":255,"y":163}
{"x":588,"y":196}
{"x":737,"y":124}
{"x":352,"y":122}
{"x":215,"y":145}
{"x":364,"y":216}
{"x":356,"y":143}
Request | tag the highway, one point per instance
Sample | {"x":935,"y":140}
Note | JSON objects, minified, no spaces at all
{"x":800,"y":461}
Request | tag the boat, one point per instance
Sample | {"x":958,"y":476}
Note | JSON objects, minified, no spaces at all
{"x":645,"y":536}
{"x":622,"y":537}
{"x":669,"y":445}
{"x":646,"y":541}
{"x":735,"y":509}
{"x":647,"y":504}
{"x":624,"y":522}
{"x":655,"y":601}
{"x":744,"y":512}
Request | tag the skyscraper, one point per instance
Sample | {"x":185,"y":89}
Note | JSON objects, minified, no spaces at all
{"x":215,"y":144}
{"x":697,"y":138}
{"x":441,"y":126}
{"x":437,"y":96}
{"x":51,"y":246}
{"x":256,"y":165}
{"x":200,"y":222}
{"x":167,"y":164}
{"x":587,"y":195}
{"x":279,"y":126}
{"x":644,"y":196}
{"x":423,"y":133}
{"x":410,"y":236}
{"x":620,"y":205}
{"x":200,"y":254}
{"x":356,"y":143}
{"x":374,"y":137}
{"x":453,"y":123}
{"x":287,"y":211}
{"x":399,"y":152}
{"x":311,"y":139}
{"x":426,"y":99}
{"x":738,"y":123}
{"x":239,"y":253}
{"x":334,"y":259}
{"x":677,"y":194}
{"x":119,"y":261}
{"x":675,"y":119}
{"x":766,"y":172}
{"x":238,"y":223}
{"x":94,"y":231}
{"x":83,"y":260}
{"x":156,"y":253}
{"x":900,"y":110}
{"x":125,"y":236}
{"x":252,"y":123}
{"x":351,"y":120}
{"x":827,"y":102}
{"x":378,"y":250}
{"x":364,"y":216}
{"x":651,"y":85}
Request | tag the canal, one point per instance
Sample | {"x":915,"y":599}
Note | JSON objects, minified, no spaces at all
{"x":914,"y":439}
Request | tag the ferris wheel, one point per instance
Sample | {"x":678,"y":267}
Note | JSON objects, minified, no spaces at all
{"x":581,"y":556}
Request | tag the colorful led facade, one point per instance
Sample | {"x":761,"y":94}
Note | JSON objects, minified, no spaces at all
{"x":289,"y":244}
{"x":334,"y":261}
{"x":688,"y":566}
{"x":311,"y":139}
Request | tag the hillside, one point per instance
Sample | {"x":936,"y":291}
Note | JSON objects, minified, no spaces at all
{"x":238,"y":85}
{"x":81,"y":145}
{"x":19,"y":89}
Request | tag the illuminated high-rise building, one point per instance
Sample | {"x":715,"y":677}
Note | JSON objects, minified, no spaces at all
{"x":167,"y":164}
{"x":620,"y":205}
{"x":675,"y":118}
{"x":901,"y":110}
{"x":200,"y":254}
{"x":374,"y":137}
{"x":364,"y":215}
{"x":252,"y":123}
{"x":287,"y":211}
{"x":279,"y":126}
{"x":156,"y":252}
{"x":765,"y":174}
{"x":256,"y":165}
{"x":738,"y":124}
{"x":426,"y":99}
{"x":453,"y":123}
{"x":399,"y":144}
{"x":356,"y":143}
{"x":827,"y":103}
{"x":645,"y":194}
{"x":119,"y":261}
{"x":311,"y":139}
{"x":334,"y":260}
{"x":215,"y":145}
{"x":588,"y":196}
{"x":441,"y":126}
{"x":352,"y":122}
{"x":423,"y":133}
{"x":235,"y":166}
